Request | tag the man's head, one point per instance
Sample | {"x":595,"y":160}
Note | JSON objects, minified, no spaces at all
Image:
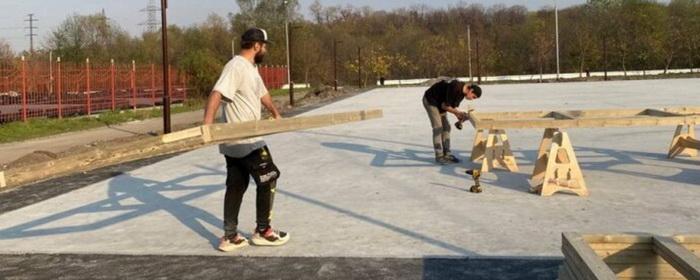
{"x":471,"y":92}
{"x":254,"y":41}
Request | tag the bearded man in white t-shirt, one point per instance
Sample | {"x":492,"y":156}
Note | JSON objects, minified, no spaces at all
{"x":240,"y":92}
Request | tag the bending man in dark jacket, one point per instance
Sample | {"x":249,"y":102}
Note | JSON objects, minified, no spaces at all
{"x":442,"y":97}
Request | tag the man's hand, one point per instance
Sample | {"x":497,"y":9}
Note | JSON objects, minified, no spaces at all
{"x":462,"y":116}
{"x":270,"y":106}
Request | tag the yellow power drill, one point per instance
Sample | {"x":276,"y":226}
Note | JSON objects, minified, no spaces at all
{"x":475,"y":173}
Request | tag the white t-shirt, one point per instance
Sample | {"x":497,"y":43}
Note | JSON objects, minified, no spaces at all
{"x":242,"y":87}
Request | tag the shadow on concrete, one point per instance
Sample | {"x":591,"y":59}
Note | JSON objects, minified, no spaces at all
{"x":368,"y":219}
{"x":439,"y":267}
{"x":385,"y":158}
{"x":133,"y":197}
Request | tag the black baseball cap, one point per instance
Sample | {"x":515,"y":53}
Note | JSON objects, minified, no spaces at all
{"x":255,"y":35}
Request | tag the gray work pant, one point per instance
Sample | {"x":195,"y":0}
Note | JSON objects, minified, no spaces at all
{"x":441,"y":129}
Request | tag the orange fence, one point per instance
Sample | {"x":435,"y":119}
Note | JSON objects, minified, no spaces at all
{"x":31,"y":89}
{"x":40,"y":89}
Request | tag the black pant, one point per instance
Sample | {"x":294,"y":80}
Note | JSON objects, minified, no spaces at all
{"x":258,"y":165}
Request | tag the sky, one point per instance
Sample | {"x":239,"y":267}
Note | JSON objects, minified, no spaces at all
{"x":128,"y":14}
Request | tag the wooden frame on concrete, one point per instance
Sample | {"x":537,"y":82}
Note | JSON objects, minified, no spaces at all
{"x":557,"y":168}
{"x":629,"y":256}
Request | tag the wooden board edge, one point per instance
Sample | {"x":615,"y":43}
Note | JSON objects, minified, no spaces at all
{"x":594,"y":264}
{"x":687,"y":263}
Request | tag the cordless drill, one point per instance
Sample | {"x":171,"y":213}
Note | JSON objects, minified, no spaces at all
{"x":459,"y":123}
{"x":475,"y":173}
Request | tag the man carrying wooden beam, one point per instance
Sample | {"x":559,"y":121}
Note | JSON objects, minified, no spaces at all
{"x":442,"y":97}
{"x":240,"y":91}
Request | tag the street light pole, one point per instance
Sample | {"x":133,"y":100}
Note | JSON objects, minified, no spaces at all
{"x":556,"y":27}
{"x":335,"y":64}
{"x":359,"y":67}
{"x":289,"y":64}
{"x":166,"y":74}
{"x":469,"y":48}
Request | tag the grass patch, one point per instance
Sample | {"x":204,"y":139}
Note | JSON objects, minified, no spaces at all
{"x":40,"y":127}
{"x":285,"y":92}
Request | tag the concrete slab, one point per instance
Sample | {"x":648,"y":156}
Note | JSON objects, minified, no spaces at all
{"x":371,"y":189}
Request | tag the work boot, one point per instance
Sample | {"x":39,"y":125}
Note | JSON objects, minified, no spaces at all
{"x":442,"y":160}
{"x":228,"y":244}
{"x":452,"y":158}
{"x":269,"y":237}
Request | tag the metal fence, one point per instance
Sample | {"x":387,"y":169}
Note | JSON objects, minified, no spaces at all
{"x":30,"y":89}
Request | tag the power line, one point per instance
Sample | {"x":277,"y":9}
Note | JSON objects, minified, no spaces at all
{"x":151,"y":22}
{"x":31,"y":34}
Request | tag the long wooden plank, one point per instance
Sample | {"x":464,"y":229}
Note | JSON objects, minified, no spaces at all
{"x":620,"y":246}
{"x":618,"y":238}
{"x":188,"y":140}
{"x":3,"y":183}
{"x":224,"y":132}
{"x":593,"y":267}
{"x":679,"y":257}
{"x":689,"y":142}
{"x":683,"y":110}
{"x":687,"y":239}
{"x":586,"y":122}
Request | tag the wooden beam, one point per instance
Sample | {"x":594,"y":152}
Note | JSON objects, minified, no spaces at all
{"x":689,"y":143}
{"x":226,"y":132}
{"x":684,"y":110}
{"x":687,"y":239}
{"x":2,"y":180}
{"x":186,"y":140}
{"x":679,"y":257}
{"x":587,"y":122}
{"x":587,"y":261}
{"x":618,"y":238}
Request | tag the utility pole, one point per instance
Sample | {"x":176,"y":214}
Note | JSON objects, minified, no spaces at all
{"x":478,"y":65}
{"x":166,"y":73}
{"x":556,"y":27}
{"x":359,"y":67}
{"x":469,"y":48}
{"x":151,"y":22}
{"x":605,"y":57}
{"x":31,"y":34}
{"x":289,"y":63}
{"x":335,"y":64}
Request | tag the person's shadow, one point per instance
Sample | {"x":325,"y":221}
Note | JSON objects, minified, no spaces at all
{"x":122,"y":190}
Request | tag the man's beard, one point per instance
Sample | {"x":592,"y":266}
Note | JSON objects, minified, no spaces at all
{"x":259,"y":58}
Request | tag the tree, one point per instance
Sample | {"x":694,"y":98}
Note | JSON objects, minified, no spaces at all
{"x":82,"y":36}
{"x":6,"y":53}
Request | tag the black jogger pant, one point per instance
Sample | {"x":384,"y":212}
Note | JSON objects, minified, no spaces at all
{"x":258,"y":165}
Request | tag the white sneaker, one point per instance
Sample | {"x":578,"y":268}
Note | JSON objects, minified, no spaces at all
{"x":228,"y":245}
{"x":269,"y":237}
